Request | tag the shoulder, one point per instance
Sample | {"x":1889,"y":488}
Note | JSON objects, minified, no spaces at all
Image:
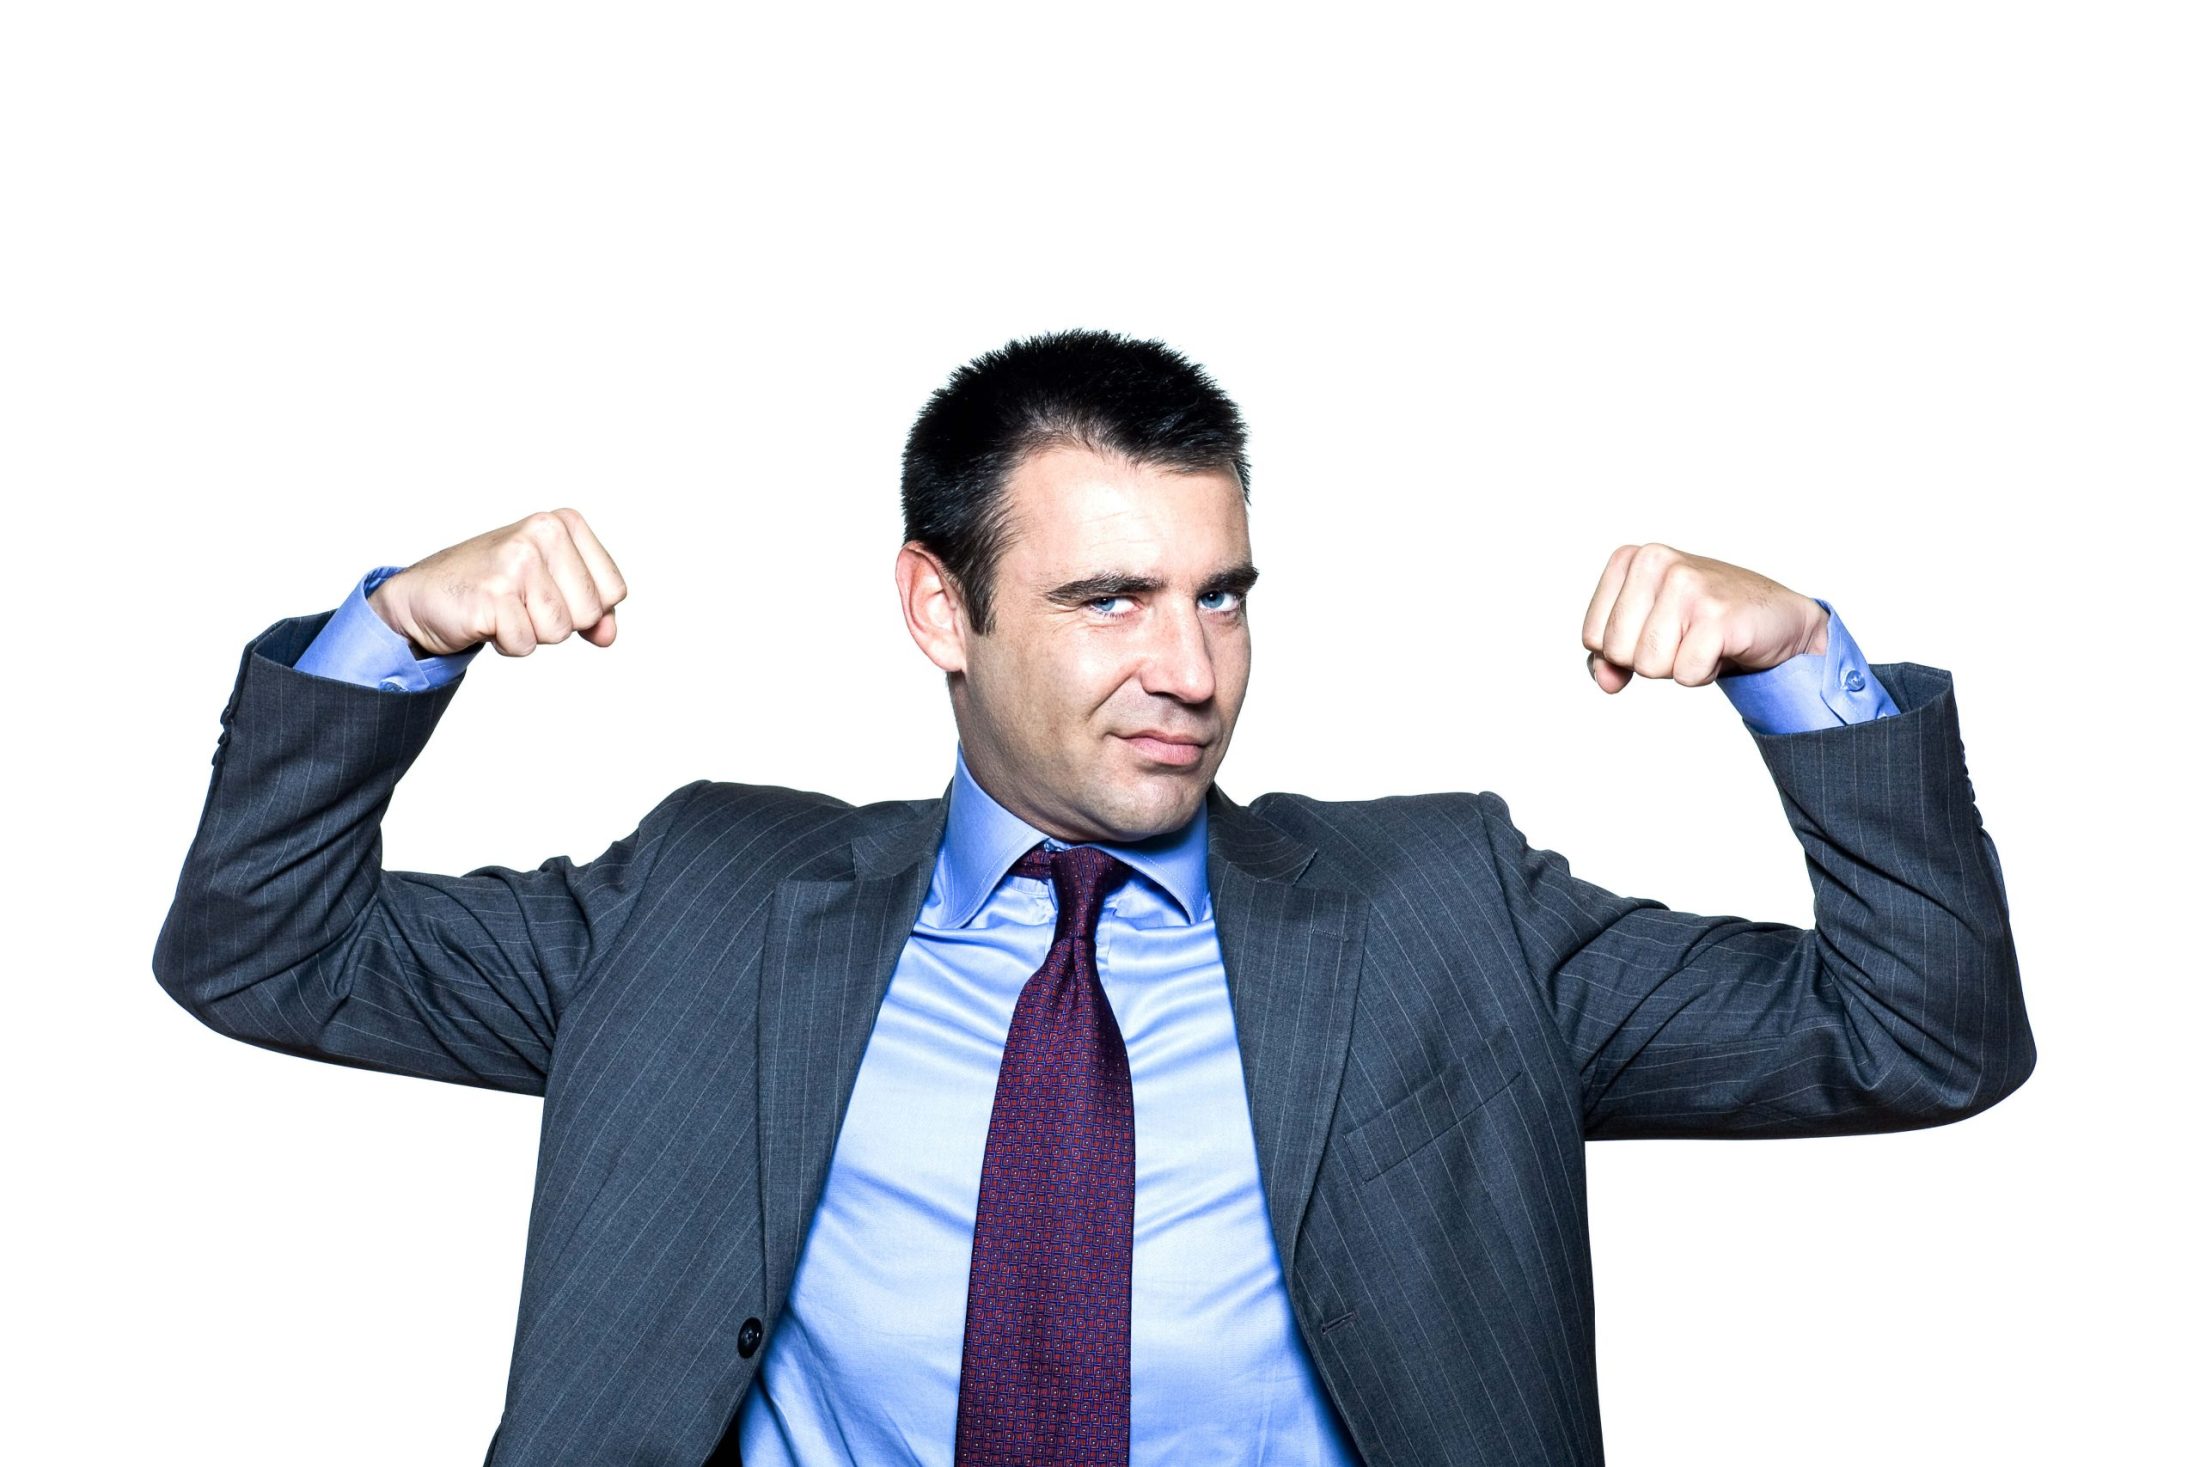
{"x":786,"y":828}
{"x":720,"y":801}
{"x":1371,"y":841}
{"x":1393,"y":817}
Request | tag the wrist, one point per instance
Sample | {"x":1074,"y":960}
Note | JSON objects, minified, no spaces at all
{"x":388,"y":609}
{"x":1821,"y":623}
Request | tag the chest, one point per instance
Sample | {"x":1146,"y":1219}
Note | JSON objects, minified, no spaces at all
{"x":873,"y":1350}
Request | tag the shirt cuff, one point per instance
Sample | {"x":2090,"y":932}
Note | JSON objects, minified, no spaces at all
{"x":1811,"y":690}
{"x":357,"y":646}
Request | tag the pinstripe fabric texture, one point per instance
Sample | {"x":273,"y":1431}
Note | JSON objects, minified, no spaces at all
{"x":1433,"y":1017}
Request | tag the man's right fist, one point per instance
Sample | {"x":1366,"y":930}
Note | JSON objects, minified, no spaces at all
{"x":537,"y":580}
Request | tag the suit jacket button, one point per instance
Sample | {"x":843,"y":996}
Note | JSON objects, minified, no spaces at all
{"x":752,"y":1335}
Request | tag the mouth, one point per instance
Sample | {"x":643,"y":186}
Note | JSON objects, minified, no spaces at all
{"x":1178,"y":751}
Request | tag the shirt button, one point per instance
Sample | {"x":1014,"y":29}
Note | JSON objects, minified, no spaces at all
{"x":391,"y":685}
{"x":1853,"y":681}
{"x":752,"y":1335}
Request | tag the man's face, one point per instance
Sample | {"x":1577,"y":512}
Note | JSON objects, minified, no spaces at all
{"x":1101,"y":703}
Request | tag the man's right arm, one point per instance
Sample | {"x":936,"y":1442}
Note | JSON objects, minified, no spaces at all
{"x":286,"y":931}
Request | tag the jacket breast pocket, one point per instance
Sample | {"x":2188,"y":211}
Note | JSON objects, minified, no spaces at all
{"x":1442,"y":1103}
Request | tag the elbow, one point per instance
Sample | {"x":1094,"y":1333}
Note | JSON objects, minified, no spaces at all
{"x":187,"y":977}
{"x":1982,"y":1075}
{"x":1935,"y":1066}
{"x":174,"y":969}
{"x":1947,"y":1094}
{"x":2004,"y":1055}
{"x":2007,"y":1066}
{"x":206,"y":982}
{"x":1963,"y":1044}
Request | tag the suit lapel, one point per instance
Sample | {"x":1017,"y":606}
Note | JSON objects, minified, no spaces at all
{"x":1291,"y":955}
{"x":829,"y":951}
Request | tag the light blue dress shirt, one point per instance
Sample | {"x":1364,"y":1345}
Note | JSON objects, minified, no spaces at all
{"x":864,"y":1364}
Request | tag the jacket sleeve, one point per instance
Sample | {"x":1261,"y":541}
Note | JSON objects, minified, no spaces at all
{"x":1900,"y":1008}
{"x":287,"y":933}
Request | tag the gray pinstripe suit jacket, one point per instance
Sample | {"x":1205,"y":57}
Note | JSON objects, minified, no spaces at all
{"x":1433,"y":1016}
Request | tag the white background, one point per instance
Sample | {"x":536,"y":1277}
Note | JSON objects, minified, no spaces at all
{"x":1895,"y":303}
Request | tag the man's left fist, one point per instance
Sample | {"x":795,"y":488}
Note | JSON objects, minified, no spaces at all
{"x":1664,"y":613}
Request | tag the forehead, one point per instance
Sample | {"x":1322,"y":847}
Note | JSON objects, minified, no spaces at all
{"x":1075,"y":511}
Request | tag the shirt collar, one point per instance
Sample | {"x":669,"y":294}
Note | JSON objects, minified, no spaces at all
{"x":983,"y":840}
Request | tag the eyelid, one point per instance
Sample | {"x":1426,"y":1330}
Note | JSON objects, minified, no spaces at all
{"x":1093,"y":603}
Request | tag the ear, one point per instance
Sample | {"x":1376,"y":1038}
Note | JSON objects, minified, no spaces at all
{"x":932,"y":606}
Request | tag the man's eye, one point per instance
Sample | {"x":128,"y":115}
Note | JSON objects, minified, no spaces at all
{"x":1109,"y":605}
{"x":1222,"y":600}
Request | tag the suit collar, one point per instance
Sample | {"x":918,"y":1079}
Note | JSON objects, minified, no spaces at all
{"x":1238,"y":837}
{"x":888,"y":843}
{"x":982,"y":840}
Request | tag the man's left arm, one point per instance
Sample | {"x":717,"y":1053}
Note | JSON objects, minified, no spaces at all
{"x":1901,"y":1007}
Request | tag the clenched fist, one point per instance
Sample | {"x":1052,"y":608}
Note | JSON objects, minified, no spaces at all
{"x":1664,"y":613}
{"x":537,"y":580}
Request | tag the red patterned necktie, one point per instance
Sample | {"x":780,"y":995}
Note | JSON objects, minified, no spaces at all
{"x":1046,"y":1365}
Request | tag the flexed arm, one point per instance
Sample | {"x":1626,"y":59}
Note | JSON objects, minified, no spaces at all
{"x":285,"y":930}
{"x":1900,"y":1008}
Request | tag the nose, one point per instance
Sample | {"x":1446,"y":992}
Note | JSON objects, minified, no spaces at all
{"x":1178,"y":662}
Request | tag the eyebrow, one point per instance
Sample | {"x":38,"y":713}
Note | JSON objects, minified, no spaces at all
{"x":1238,"y":579}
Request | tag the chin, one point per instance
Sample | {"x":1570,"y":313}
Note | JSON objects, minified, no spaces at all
{"x":1166,"y":810}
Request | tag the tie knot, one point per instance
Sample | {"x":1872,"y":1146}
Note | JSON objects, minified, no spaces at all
{"x":1082,"y":876}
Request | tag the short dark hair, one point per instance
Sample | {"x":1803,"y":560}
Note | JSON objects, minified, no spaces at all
{"x":1089,"y":389}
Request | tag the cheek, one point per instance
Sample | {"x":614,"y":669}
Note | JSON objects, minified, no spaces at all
{"x":1080,"y":680}
{"x":1234,"y":666}
{"x":1041,"y":694}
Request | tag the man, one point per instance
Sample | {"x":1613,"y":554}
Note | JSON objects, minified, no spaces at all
{"x":1086,"y":1115}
